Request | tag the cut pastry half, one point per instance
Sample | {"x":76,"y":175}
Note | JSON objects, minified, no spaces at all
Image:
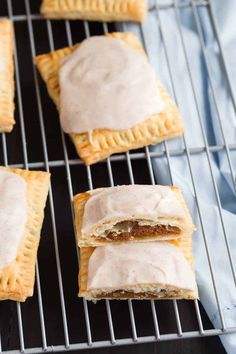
{"x":102,"y":10}
{"x":97,"y":144}
{"x":6,"y":76}
{"x":23,"y":196}
{"x":130,"y":213}
{"x":153,"y":270}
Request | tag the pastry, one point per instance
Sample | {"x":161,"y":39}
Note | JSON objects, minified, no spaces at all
{"x":22,"y":199}
{"x":6,"y":76}
{"x":130,"y":213}
{"x":101,"y":10}
{"x":98,"y":144}
{"x":153,"y":270}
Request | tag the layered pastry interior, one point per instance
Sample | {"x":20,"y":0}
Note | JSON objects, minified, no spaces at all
{"x":152,"y":270}
{"x":129,"y":213}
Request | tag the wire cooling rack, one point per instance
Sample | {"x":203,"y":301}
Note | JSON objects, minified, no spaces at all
{"x":54,"y":319}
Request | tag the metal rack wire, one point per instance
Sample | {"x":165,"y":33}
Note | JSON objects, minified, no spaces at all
{"x":67,"y":163}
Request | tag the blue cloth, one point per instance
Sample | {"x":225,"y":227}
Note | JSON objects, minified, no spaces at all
{"x":225,"y":16}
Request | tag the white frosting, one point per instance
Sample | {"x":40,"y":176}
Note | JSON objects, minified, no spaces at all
{"x":130,"y":202}
{"x":13,"y":215}
{"x":125,"y":265}
{"x":106,"y":84}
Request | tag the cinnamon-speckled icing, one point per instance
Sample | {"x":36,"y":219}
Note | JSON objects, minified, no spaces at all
{"x":13,"y":215}
{"x":127,"y":202}
{"x":159,"y":264}
{"x":104,"y":84}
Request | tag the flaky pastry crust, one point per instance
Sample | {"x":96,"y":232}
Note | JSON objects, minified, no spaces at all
{"x":6,"y":76}
{"x":17,"y":279}
{"x":99,"y":10}
{"x":101,"y":143}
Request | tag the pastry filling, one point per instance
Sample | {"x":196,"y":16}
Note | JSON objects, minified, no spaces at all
{"x":119,"y":294}
{"x":13,"y":215}
{"x":152,"y":205}
{"x":141,"y":269}
{"x":104,"y":84}
{"x":129,"y":230}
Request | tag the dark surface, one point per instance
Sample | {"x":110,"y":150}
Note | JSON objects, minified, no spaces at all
{"x":64,"y":226}
{"x":208,"y":345}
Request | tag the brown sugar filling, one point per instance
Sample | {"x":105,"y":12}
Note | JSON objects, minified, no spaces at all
{"x":119,"y":294}
{"x":137,"y":231}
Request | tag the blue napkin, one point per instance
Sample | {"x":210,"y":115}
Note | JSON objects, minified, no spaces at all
{"x":200,"y":164}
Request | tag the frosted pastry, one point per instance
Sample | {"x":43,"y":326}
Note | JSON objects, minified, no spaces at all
{"x":102,"y":10}
{"x":153,"y":270}
{"x":141,"y":122}
{"x":6,"y":76}
{"x":22,"y":200}
{"x":130,"y":213}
